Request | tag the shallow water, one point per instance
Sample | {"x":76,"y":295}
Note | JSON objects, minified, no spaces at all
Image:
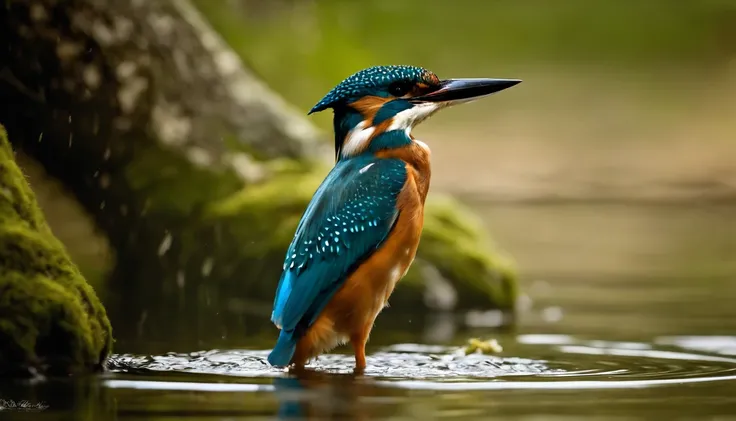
{"x":628,"y":313}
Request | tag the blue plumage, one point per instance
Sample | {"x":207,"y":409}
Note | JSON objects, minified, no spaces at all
{"x":372,"y":80}
{"x":348,"y":218}
{"x":289,"y":390}
{"x":355,"y":209}
{"x":283,"y":350}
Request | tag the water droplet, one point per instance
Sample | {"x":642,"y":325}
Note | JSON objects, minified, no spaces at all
{"x":165,"y":244}
{"x":207,"y":266}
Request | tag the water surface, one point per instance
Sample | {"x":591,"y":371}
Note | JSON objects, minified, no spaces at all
{"x":628,"y":313}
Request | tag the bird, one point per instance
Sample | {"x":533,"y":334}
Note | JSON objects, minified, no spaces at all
{"x":359,"y":233}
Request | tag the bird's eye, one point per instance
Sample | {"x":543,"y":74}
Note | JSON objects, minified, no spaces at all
{"x":400,"y":88}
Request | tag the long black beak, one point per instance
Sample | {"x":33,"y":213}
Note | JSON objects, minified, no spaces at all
{"x":461,"y":90}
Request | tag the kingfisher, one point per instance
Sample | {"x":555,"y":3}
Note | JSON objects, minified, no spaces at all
{"x":360,"y":232}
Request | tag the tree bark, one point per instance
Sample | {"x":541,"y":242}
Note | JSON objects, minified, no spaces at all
{"x":193,"y":168}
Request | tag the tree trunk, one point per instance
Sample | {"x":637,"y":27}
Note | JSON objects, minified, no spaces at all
{"x":194,"y":169}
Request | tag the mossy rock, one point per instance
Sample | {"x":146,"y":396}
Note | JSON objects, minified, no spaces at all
{"x":454,"y":249}
{"x":455,"y":242}
{"x":51,"y":320}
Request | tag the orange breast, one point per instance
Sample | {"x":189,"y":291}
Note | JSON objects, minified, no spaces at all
{"x":354,"y":307}
{"x":367,"y":290}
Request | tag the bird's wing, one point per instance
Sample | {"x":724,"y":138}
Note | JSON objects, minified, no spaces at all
{"x":350,"y":215}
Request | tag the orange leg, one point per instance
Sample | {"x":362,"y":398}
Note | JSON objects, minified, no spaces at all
{"x":358,"y":342}
{"x":359,"y":339}
{"x":305,"y":350}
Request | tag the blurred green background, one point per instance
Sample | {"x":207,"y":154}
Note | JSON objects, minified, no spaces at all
{"x":303,"y":47}
{"x":622,"y":101}
{"x":629,"y":99}
{"x":609,"y":173}
{"x":614,"y":156}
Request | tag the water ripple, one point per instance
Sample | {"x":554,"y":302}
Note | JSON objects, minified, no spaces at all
{"x":442,"y":363}
{"x":572,"y":364}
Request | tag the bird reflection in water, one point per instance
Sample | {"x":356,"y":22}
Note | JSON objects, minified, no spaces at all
{"x":312,"y":395}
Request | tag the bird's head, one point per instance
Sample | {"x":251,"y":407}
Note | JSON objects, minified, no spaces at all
{"x":386,"y":102}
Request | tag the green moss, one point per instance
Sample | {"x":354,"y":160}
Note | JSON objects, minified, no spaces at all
{"x":268,"y":211}
{"x":172,"y":184}
{"x":476,"y":345}
{"x":235,"y":144}
{"x":50,"y":318}
{"x":455,"y":242}
{"x":262,"y":219}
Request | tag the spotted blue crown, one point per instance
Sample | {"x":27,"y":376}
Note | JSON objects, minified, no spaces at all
{"x":368,"y":80}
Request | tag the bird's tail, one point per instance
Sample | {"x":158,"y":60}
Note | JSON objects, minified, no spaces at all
{"x":281,"y":354}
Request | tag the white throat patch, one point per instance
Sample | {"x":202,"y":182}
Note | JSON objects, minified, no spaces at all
{"x":408,"y":119}
{"x":358,"y":137}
